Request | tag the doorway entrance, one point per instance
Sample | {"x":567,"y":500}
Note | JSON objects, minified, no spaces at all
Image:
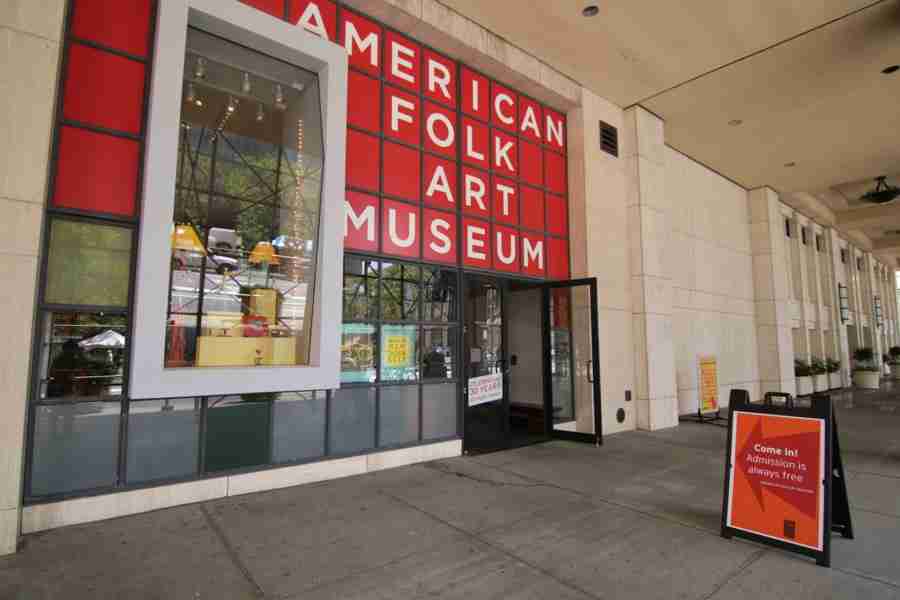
{"x":530,"y":360}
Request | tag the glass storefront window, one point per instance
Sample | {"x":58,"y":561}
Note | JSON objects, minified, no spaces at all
{"x":439,"y":301}
{"x":245,"y":231}
{"x":438,"y":352}
{"x":400,"y":292}
{"x":82,"y":356}
{"x":360,"y":289}
{"x":358,"y":343}
{"x":399,"y":352}
{"x":398,"y":415}
{"x":88,"y":264}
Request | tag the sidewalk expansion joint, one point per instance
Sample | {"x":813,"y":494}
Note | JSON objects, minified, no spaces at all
{"x":232,"y":553}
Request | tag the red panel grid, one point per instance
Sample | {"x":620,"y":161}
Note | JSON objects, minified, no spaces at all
{"x":558,"y":255}
{"x":104,"y":90}
{"x":363,"y":98}
{"x":403,"y":59}
{"x":439,"y":236}
{"x":361,"y":226}
{"x":273,"y":7}
{"x":363,"y":160}
{"x":504,"y":107}
{"x":124,"y":26}
{"x":440,"y":130}
{"x":476,"y":241}
{"x":506,"y":249}
{"x":439,"y":183}
{"x":400,"y":229}
{"x":476,"y":192}
{"x":401,"y":115}
{"x":401,"y":172}
{"x":476,"y":94}
{"x":439,"y":75}
{"x":316,"y":16}
{"x":96,"y":172}
{"x":532,"y":202}
{"x":506,"y":201}
{"x":362,"y":40}
{"x":557,"y":215}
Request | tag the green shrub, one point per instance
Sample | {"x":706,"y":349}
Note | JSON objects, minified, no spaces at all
{"x":817,"y":366}
{"x":801,"y":368}
{"x":833,"y":366}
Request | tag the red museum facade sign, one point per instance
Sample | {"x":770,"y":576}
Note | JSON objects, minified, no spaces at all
{"x":444,"y":165}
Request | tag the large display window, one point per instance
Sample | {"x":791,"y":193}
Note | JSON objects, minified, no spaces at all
{"x":241,"y":225}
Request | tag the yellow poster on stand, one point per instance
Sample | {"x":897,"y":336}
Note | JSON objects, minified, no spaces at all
{"x":709,"y":384}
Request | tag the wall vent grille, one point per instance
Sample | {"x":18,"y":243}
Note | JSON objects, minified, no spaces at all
{"x":609,"y":139}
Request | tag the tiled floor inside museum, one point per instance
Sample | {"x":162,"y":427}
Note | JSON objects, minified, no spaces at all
{"x":637,"y":518}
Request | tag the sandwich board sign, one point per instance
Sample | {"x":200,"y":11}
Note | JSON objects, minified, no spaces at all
{"x":784,"y":479}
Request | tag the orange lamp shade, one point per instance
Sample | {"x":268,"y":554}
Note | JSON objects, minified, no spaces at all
{"x":264,"y":252}
{"x":184,"y":237}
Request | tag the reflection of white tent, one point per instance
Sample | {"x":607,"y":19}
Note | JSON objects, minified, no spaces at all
{"x":107,"y":339}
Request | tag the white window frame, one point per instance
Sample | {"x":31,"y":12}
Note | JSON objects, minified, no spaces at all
{"x":255,"y":29}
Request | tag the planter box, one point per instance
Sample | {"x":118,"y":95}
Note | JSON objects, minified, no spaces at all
{"x":835,"y":380}
{"x":820,"y":382}
{"x":804,"y":386}
{"x":869,"y":380}
{"x":895,"y":372}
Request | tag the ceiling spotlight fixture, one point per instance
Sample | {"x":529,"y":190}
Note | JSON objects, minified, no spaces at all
{"x":279,"y":97}
{"x":790,"y":164}
{"x":890,"y":69}
{"x":735,"y":122}
{"x":246,"y":87}
{"x":232,"y":104}
{"x":591,"y":10}
{"x":882,"y":193}
{"x":260,"y":113}
{"x":200,"y":68}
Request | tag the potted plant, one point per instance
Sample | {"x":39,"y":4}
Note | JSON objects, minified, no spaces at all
{"x":894,"y":359}
{"x":835,"y":381}
{"x":819,"y":374}
{"x":866,"y":373}
{"x":803,"y":373}
{"x":886,"y":365}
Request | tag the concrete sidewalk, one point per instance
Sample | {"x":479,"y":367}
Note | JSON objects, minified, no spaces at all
{"x":637,"y":518}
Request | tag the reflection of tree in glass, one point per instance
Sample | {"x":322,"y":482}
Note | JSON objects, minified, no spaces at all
{"x":399,"y":292}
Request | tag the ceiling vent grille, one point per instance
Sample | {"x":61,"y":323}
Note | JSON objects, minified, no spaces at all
{"x":609,"y":139}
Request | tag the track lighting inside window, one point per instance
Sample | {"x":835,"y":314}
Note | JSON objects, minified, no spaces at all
{"x":246,"y":86}
{"x":200,"y":68}
{"x":279,"y":97}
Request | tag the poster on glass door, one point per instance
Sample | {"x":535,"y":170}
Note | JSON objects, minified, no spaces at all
{"x":484,"y":389}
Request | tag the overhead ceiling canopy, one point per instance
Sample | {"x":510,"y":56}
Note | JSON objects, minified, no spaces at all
{"x":785,"y":94}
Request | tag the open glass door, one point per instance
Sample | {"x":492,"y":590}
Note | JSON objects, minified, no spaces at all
{"x":571,"y":362}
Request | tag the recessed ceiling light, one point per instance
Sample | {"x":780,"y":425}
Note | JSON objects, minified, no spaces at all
{"x":890,"y":69}
{"x":735,"y":122}
{"x":790,"y":164}
{"x":591,"y":10}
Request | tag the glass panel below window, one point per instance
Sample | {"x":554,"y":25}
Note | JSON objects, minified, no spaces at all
{"x":75,"y":447}
{"x":163,"y":439}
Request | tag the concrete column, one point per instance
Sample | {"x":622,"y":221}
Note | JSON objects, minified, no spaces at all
{"x":772,"y":293}
{"x":30,"y":34}
{"x":840,"y":328}
{"x":599,"y":242}
{"x":651,"y":284}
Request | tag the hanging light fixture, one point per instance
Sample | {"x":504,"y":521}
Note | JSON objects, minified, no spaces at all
{"x":246,"y":86}
{"x":200,"y":68}
{"x":260,"y":113}
{"x":279,"y":97}
{"x":191,"y":95}
{"x":882,"y":193}
{"x":232,"y":104}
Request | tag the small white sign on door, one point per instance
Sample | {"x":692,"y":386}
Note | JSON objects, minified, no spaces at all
{"x":486,"y":388}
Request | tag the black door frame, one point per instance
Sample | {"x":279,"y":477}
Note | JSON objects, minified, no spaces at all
{"x":597,"y":437}
{"x":503,"y":282}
